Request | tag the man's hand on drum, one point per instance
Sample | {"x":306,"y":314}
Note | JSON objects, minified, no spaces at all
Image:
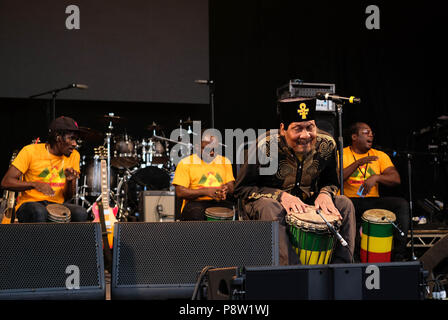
{"x":43,"y":187}
{"x":222,"y":192}
{"x":216,"y":193}
{"x":291,"y":203}
{"x":326,"y":205}
{"x":71,"y":174}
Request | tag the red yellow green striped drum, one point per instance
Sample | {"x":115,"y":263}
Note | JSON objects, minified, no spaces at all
{"x":310,"y":237}
{"x":377,"y":235}
{"x":219,"y":214}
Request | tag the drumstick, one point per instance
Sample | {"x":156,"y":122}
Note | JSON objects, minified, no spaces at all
{"x":401,"y":232}
{"x":330,"y":226}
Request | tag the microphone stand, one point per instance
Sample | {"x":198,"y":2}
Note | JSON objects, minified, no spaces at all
{"x":341,"y":148}
{"x":53,"y":93}
{"x":409,"y":157}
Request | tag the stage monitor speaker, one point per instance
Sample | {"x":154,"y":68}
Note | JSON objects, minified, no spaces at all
{"x":286,"y":283}
{"x":381,"y":281}
{"x":162,"y":260}
{"x":40,"y":261}
{"x":158,"y":206}
{"x":378,"y":281}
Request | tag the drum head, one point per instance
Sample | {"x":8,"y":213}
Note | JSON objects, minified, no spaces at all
{"x":93,"y":177}
{"x":378,"y":216}
{"x":219,"y":213}
{"x":149,"y":178}
{"x":311,"y":220}
{"x":58,"y":213}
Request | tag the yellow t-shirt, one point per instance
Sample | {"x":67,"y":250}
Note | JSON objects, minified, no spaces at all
{"x":37,"y":164}
{"x":357,"y":178}
{"x":194,"y":173}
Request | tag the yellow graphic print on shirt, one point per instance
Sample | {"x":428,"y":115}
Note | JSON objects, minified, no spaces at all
{"x":55,"y":177}
{"x":212,"y":179}
{"x":357,"y":177}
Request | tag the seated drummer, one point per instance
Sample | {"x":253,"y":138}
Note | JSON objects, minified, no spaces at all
{"x":365,"y":169}
{"x":305,"y":173}
{"x":46,"y":173}
{"x":204,"y":179}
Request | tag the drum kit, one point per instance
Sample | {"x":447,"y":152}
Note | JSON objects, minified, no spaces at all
{"x":133,"y":165}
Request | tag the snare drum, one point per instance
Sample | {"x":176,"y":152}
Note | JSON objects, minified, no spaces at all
{"x":377,"y":235}
{"x":58,"y":213}
{"x":310,"y":236}
{"x":219,"y":214}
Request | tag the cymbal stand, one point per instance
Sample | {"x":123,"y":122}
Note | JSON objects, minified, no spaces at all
{"x":122,"y":195}
{"x":411,"y":215}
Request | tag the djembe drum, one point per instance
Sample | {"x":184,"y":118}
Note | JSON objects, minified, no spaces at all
{"x":377,"y":235}
{"x":58,"y":213}
{"x":310,"y":236}
{"x":219,"y":214}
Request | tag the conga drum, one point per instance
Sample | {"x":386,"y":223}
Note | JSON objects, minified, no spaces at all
{"x":58,"y":213}
{"x":310,"y":236}
{"x":377,"y":235}
{"x":219,"y":214}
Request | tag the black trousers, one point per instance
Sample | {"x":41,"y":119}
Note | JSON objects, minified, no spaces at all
{"x":195,"y":210}
{"x":399,"y":206}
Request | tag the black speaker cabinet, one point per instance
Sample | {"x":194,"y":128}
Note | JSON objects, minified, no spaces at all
{"x":286,"y":283}
{"x":358,"y":281}
{"x":51,"y":261}
{"x":162,"y":260}
{"x":378,"y":281}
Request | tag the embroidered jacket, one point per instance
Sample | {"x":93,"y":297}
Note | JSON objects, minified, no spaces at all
{"x":316,"y":173}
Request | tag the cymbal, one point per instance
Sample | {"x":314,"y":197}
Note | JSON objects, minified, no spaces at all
{"x":188,"y":121}
{"x":89,"y":134}
{"x":124,"y":162}
{"x":154,"y":126}
{"x":112,"y":118}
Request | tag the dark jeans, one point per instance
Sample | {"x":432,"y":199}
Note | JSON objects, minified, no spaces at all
{"x":37,"y":212}
{"x":399,"y":206}
{"x":195,"y":210}
{"x":271,"y":210}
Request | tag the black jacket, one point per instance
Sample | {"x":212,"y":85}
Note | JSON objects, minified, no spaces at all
{"x":317,"y":172}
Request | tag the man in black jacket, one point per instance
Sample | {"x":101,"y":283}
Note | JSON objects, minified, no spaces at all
{"x":305,"y":174}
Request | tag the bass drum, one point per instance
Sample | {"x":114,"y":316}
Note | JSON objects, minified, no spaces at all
{"x":149,"y":178}
{"x":93,"y":177}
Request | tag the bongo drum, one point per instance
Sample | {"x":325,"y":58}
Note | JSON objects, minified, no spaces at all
{"x":219,"y":214}
{"x":377,"y":235}
{"x":58,"y":213}
{"x":310,"y":236}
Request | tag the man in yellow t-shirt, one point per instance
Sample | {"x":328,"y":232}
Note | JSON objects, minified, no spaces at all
{"x":46,"y":173}
{"x":365,"y":169}
{"x":204,"y":179}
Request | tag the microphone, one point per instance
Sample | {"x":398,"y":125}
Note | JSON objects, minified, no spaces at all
{"x":207,"y":82}
{"x":391,"y":152}
{"x":332,"y":229}
{"x":79,"y":86}
{"x":335,"y":98}
{"x":396,"y":227}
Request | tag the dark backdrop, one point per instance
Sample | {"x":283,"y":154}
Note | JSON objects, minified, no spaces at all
{"x":256,"y":46}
